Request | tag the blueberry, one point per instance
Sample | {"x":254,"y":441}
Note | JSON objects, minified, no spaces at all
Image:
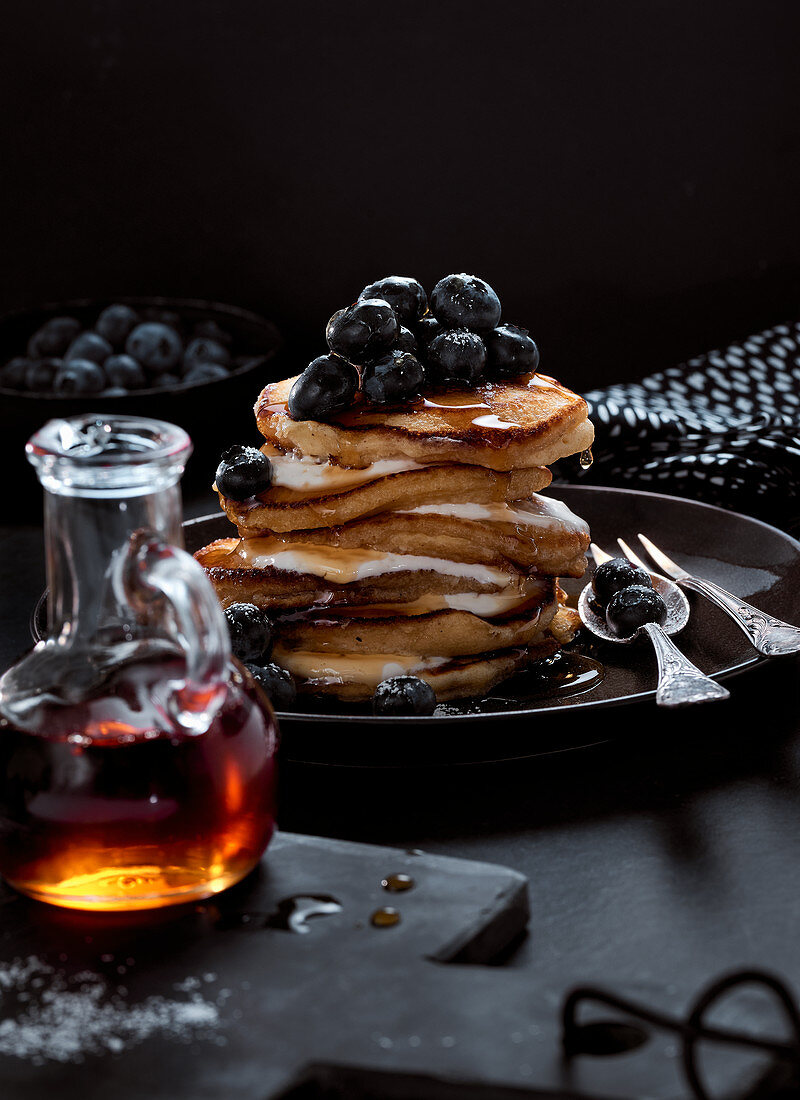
{"x":406,"y":296}
{"x":89,"y":346}
{"x":243,"y":472}
{"x":327,"y":386}
{"x":114,"y":391}
{"x":115,"y":324}
{"x":210,"y":330}
{"x":40,"y":374}
{"x":123,"y":371}
{"x":393,"y":379}
{"x":79,"y":376}
{"x":427,"y":328}
{"x":250,"y":631}
{"x":166,"y":381}
{"x":202,"y":350}
{"x":157,"y":346}
{"x":205,"y":372}
{"x":12,"y":376}
{"x":465,"y":301}
{"x":163,"y":317}
{"x":363,"y":330}
{"x":510,"y":351}
{"x":406,"y":341}
{"x":53,"y":338}
{"x":632,"y":607}
{"x":456,"y":355}
{"x":277,"y":683}
{"x":616,"y":574}
{"x":403,"y":695}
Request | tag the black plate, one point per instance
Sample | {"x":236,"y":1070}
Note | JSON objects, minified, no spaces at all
{"x":744,"y":555}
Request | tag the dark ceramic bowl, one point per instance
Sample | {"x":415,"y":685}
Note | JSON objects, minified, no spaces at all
{"x":215,"y":414}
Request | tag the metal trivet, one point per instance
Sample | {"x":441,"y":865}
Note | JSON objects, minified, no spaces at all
{"x":618,"y":1037}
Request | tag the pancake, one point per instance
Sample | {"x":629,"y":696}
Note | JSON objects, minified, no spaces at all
{"x":281,"y":508}
{"x":355,"y":678}
{"x":447,"y":633}
{"x":540,"y":534}
{"x":411,"y":540}
{"x":273,"y":575}
{"x":505,"y":425}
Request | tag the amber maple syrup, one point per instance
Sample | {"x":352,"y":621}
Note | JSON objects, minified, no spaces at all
{"x":137,"y":761}
{"x":110,"y":809}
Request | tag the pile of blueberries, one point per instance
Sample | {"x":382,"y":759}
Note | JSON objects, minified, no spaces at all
{"x":252,"y":632}
{"x":392,"y":343}
{"x":125,"y":350}
{"x":624,"y":594}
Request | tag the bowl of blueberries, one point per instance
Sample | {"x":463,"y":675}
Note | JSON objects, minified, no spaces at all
{"x":180,"y":360}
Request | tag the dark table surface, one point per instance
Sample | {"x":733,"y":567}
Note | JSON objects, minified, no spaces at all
{"x":656,"y":860}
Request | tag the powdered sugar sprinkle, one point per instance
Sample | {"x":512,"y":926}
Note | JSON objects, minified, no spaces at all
{"x":48,"y":1016}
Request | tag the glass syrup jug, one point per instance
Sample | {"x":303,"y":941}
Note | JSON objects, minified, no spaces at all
{"x":137,"y":761}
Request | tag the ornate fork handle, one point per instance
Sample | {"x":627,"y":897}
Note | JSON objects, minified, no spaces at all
{"x":770,"y":636}
{"x":679,"y":681}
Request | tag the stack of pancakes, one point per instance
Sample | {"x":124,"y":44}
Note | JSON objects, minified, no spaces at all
{"x":411,"y":542}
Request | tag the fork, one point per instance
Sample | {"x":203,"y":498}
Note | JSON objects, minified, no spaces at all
{"x":770,"y":636}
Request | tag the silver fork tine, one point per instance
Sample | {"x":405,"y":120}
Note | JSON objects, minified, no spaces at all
{"x":770,"y":636}
{"x":670,"y":567}
{"x":629,"y":554}
{"x":599,"y":555}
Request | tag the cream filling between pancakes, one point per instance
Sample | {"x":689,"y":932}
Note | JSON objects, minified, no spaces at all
{"x":304,"y":473}
{"x":486,"y":605}
{"x":541,"y":512}
{"x":339,"y":668}
{"x":341,"y":565}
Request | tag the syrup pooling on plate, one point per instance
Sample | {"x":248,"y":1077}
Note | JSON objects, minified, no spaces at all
{"x":568,"y":673}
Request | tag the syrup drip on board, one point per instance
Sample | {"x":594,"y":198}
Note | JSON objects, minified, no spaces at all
{"x":398,"y":883}
{"x":385,"y":917}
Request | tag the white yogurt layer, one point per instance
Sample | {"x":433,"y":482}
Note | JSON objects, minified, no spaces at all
{"x":340,"y":668}
{"x":306,"y":474}
{"x":539,"y":511}
{"x":343,"y":566}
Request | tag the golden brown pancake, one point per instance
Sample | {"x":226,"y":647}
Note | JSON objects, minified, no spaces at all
{"x":244,"y":570}
{"x":539,"y":534}
{"x":506,"y":425}
{"x":447,"y":633}
{"x":411,"y":540}
{"x":355,"y":676}
{"x":355,"y":679}
{"x":284,"y":509}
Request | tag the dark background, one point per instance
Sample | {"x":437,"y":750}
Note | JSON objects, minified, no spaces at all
{"x":625,"y":174}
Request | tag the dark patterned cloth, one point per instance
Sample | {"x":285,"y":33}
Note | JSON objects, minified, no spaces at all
{"x":723,"y":428}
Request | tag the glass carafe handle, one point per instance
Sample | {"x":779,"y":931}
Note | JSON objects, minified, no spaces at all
{"x":152,"y":570}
